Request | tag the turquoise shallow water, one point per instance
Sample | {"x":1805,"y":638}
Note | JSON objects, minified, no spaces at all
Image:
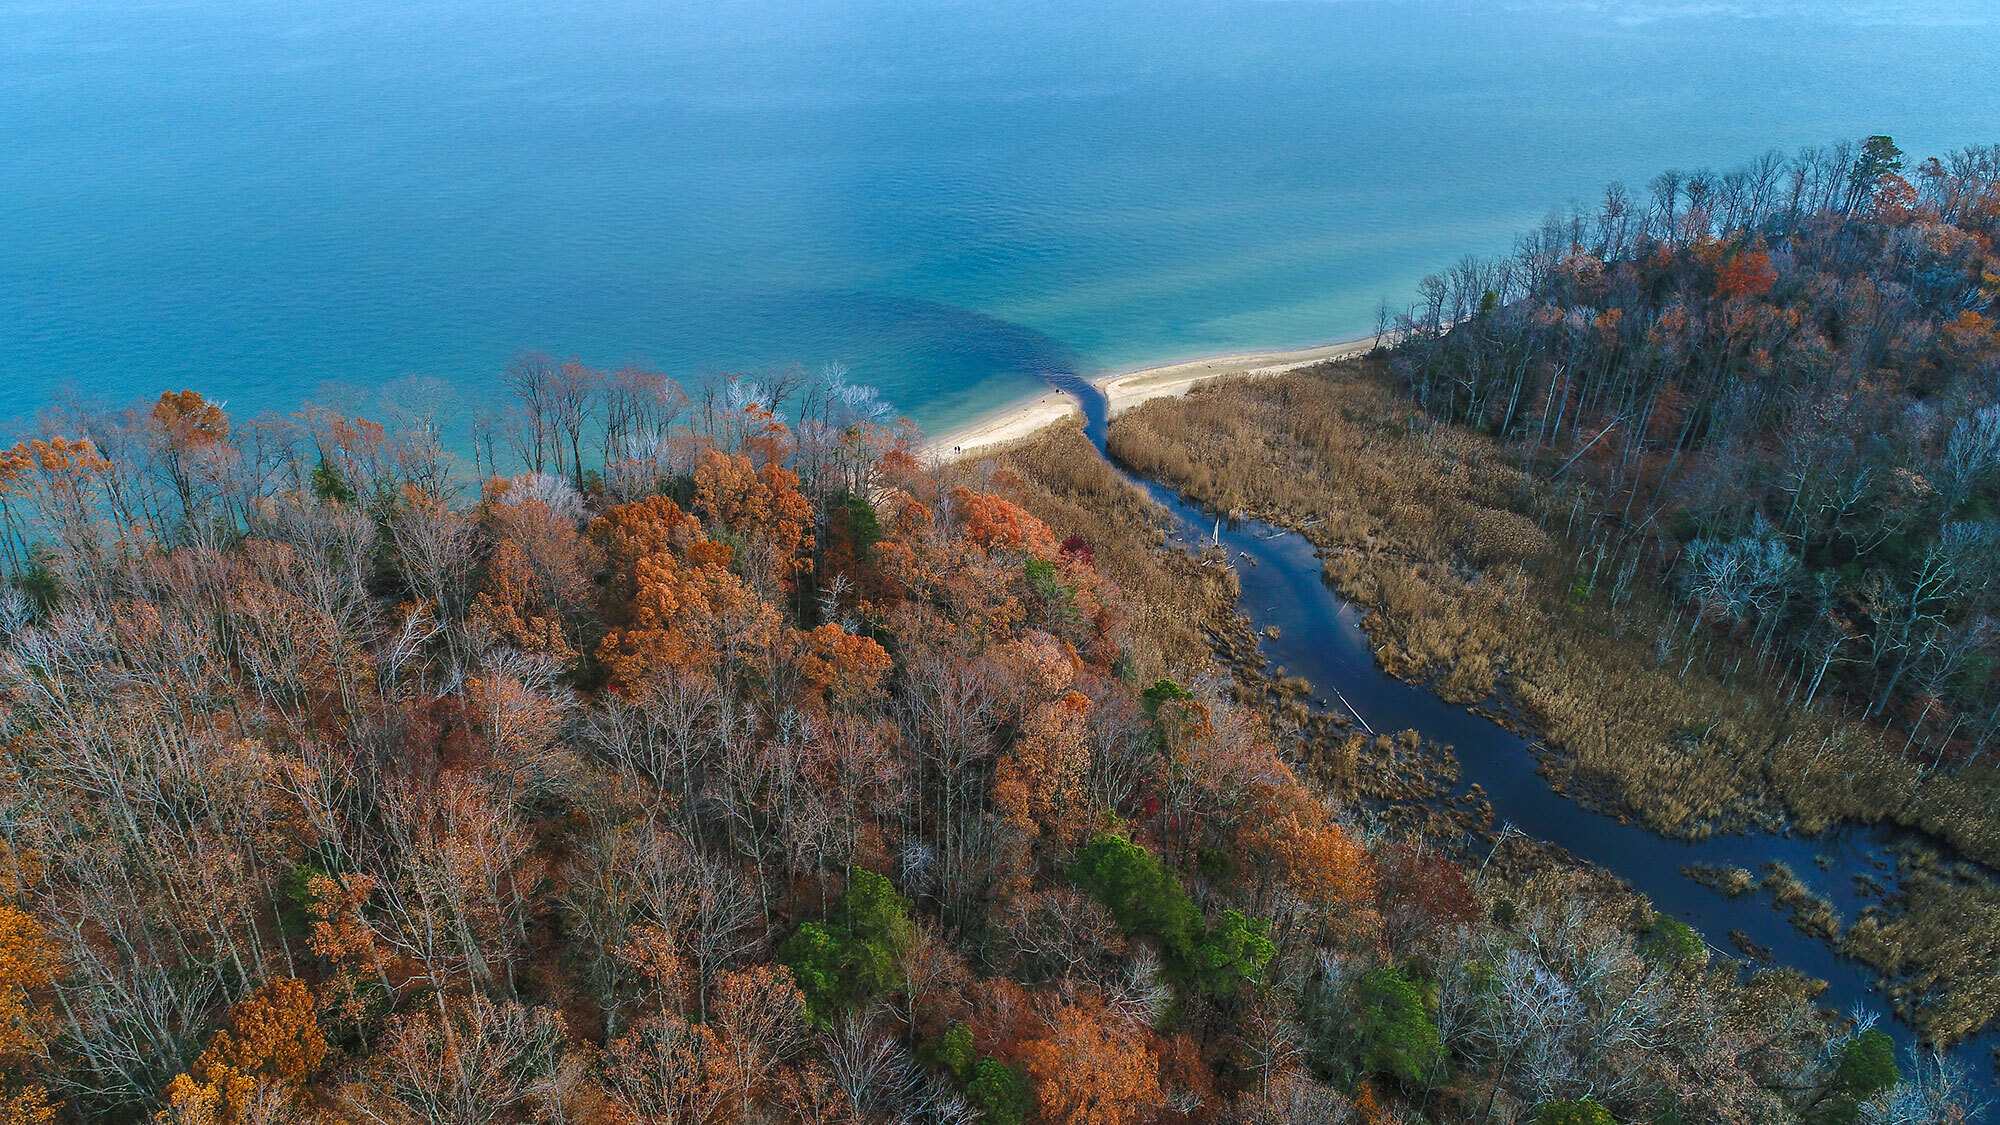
{"x":263,"y":200}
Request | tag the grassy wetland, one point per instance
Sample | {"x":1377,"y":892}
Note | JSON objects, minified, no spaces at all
{"x":1477,"y":582}
{"x":1185,"y":625}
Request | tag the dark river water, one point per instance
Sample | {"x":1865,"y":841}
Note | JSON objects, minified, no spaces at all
{"x":1321,"y":640}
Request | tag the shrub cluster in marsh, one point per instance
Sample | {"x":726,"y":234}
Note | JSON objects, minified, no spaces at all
{"x":1936,"y":940}
{"x":1731,"y":881}
{"x":1811,"y":913}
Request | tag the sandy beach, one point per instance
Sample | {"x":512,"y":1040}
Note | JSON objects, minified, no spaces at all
{"x":1010,"y":423}
{"x":1127,"y":389}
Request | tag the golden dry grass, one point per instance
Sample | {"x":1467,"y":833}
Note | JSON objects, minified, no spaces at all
{"x":1183,"y":623}
{"x":1812,"y":913}
{"x":1472,"y":581}
{"x":1427,"y":527}
{"x":1937,"y":943}
{"x":1459,"y":558}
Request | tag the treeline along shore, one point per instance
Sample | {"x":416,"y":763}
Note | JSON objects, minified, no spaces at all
{"x":717,"y":755}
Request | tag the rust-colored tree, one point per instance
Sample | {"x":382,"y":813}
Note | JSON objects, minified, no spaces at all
{"x":666,"y":1066}
{"x":997,"y":524}
{"x":1092,"y":1068}
{"x":676,"y":606}
{"x":840,"y":667}
{"x":1329,"y":871}
{"x":537,"y":574}
{"x":342,"y":934}
{"x":56,"y":482}
{"x":193,"y":435}
{"x":1746,"y":273}
{"x":1043,"y":781}
{"x":1425,"y":897}
{"x":762,"y":505}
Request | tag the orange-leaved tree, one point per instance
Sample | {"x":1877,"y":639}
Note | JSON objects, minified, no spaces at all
{"x":674,"y":604}
{"x":627,"y":533}
{"x":342,"y":934}
{"x":261,"y":1060}
{"x":841,"y":667}
{"x":537,"y":574}
{"x":193,"y":433}
{"x":1328,"y":870}
{"x":997,"y":524}
{"x":1092,"y":1068}
{"x":762,"y":505}
{"x":1042,"y":782}
{"x":28,"y":964}
{"x":1747,"y":273}
{"x":671,"y":1066}
{"x":56,"y":480}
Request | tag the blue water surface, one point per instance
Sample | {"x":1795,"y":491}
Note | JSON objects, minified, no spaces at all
{"x":352,"y":200}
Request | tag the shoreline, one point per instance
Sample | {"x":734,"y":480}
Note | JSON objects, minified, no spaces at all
{"x":1019,"y":419}
{"x":1124,"y":390}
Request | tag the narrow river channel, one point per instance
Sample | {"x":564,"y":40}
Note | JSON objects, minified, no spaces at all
{"x":1320,"y":639}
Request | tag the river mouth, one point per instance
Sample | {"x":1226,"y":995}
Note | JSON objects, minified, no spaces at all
{"x":1304,"y":626}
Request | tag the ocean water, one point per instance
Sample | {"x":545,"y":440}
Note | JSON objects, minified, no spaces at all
{"x":372,"y":204}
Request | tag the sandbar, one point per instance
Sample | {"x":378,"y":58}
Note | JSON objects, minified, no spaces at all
{"x":1124,"y":390}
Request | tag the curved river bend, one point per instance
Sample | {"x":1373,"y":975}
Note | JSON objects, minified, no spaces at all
{"x":1321,"y":640}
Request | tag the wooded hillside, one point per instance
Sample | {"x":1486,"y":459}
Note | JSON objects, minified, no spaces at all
{"x":1776,"y":391}
{"x":761,"y":775}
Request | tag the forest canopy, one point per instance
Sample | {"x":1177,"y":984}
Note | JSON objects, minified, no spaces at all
{"x":728,"y":763}
{"x":1778,"y":388}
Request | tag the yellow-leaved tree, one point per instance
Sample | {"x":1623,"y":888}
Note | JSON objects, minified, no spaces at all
{"x":255,"y":1066}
